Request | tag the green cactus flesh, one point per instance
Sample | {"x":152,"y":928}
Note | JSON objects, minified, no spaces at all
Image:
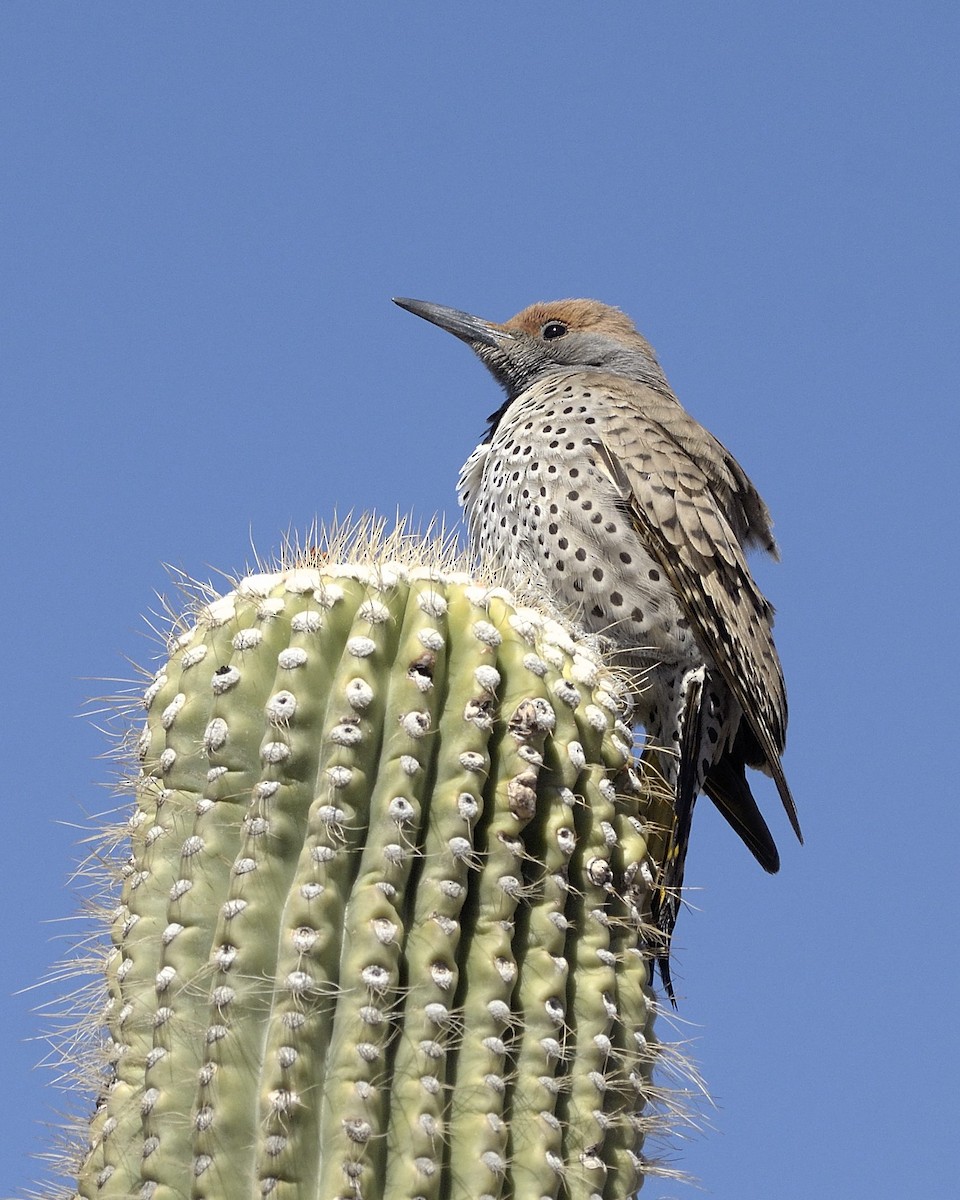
{"x":381,"y":927}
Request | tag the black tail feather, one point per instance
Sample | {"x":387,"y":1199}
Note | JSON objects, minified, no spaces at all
{"x":727,"y":787}
{"x":668,"y":899}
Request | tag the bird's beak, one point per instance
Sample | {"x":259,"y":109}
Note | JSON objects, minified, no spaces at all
{"x":472,"y":330}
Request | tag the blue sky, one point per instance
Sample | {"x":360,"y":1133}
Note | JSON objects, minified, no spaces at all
{"x":206,"y":208}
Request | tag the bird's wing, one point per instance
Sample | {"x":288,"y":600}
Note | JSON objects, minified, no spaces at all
{"x":739,"y":501}
{"x":667,"y":494}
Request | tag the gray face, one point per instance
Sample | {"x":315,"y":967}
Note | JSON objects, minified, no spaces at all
{"x":517,"y":357}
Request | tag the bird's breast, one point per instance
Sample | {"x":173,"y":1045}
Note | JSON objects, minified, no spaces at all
{"x":542,"y":513}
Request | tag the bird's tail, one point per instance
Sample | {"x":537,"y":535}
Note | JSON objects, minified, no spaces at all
{"x":726,"y":785}
{"x":684,"y":775}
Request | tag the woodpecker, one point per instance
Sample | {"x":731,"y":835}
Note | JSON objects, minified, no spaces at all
{"x":595,"y":485}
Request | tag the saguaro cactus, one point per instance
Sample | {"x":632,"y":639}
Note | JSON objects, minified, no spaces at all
{"x":381,"y":931}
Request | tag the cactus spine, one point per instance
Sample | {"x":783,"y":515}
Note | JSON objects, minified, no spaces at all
{"x":381,"y":932}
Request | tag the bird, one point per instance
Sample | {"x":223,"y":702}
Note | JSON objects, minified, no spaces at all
{"x":593,"y":484}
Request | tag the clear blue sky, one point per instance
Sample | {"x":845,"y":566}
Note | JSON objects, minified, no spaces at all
{"x":206,"y":208}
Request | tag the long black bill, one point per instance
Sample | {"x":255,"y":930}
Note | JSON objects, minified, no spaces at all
{"x":465,"y":326}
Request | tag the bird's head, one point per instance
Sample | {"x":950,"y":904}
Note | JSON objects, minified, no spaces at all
{"x":546,"y":338}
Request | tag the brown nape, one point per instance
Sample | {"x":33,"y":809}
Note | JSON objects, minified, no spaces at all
{"x":578,"y":315}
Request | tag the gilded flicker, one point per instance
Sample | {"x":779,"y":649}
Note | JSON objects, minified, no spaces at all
{"x":593,"y":483}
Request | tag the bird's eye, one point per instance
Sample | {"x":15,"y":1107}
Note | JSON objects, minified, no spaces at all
{"x":553,"y":329}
